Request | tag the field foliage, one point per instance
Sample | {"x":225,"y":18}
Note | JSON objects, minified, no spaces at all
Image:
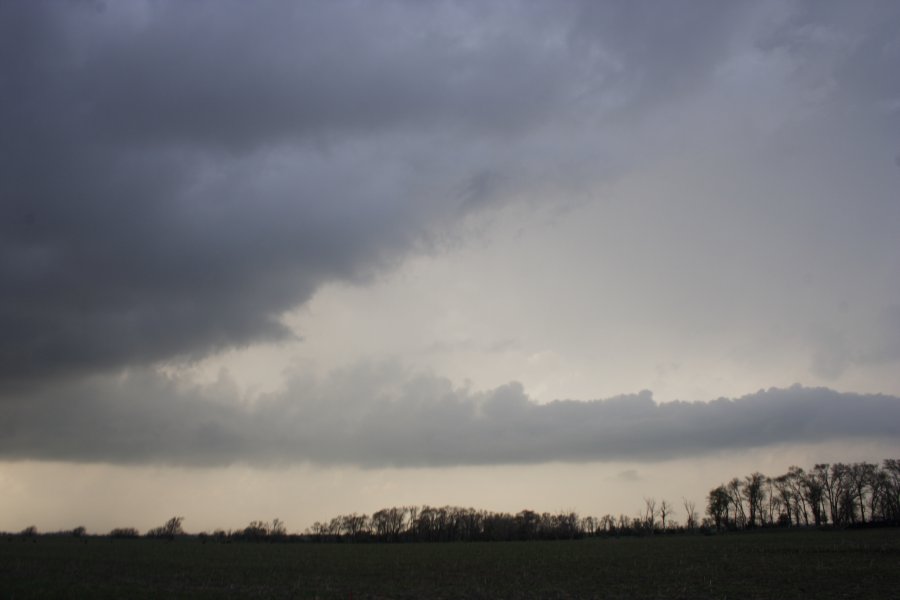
{"x":773,"y":564}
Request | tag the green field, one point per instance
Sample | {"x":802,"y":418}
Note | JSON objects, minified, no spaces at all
{"x":795,"y":564}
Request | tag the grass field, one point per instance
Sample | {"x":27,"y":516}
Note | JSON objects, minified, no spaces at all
{"x":797,"y":564}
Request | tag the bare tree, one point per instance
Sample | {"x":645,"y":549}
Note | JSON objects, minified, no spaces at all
{"x":878,"y":498}
{"x":891,"y":469}
{"x":814,"y":493}
{"x":860,"y":476}
{"x":832,"y":479}
{"x":717,"y":506}
{"x":665,"y":511}
{"x":170,"y":529}
{"x":736,"y":497}
{"x":754,"y":493}
{"x":796,"y":479}
{"x":650,"y":514}
{"x":413,"y":512}
{"x":388,"y":522}
{"x":278,"y":530}
{"x":690,"y":512}
{"x":785,"y":496}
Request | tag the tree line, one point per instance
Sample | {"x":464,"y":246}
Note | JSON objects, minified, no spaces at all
{"x":839,"y":495}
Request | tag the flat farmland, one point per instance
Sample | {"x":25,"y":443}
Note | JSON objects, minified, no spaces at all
{"x":791,"y":564}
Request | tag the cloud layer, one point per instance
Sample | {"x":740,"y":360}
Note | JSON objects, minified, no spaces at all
{"x":176,"y":176}
{"x":379,"y":417}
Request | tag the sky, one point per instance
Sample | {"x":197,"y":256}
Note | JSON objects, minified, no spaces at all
{"x":281,"y":259}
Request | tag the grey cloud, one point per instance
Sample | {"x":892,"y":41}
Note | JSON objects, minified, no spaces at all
{"x":835,"y":350}
{"x":659,"y":51}
{"x":375,"y":416}
{"x":177,"y":175}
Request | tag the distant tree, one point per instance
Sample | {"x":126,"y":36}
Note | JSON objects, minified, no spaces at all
{"x":589,"y":525}
{"x":832,"y":479}
{"x":527,"y":524}
{"x":861,"y":476}
{"x":278,"y":530}
{"x":471,"y":523}
{"x":124,"y":532}
{"x":891,"y":469}
{"x":389,"y":523}
{"x":754,"y":493}
{"x":836,"y":492}
{"x":318,"y":530}
{"x":772,"y":504}
{"x":814,"y":493}
{"x":354,"y":526}
{"x":79,"y":531}
{"x":665,"y":511}
{"x":170,"y":529}
{"x":735,"y":490}
{"x":566,"y":526}
{"x":782,"y":487}
{"x":623,"y":523}
{"x":335,"y":525}
{"x":650,"y":514}
{"x":796,"y":480}
{"x":30,"y":531}
{"x":717,"y":506}
{"x":413,"y":515}
{"x":690,"y":511}
{"x":608,"y":523}
{"x":256,"y":530}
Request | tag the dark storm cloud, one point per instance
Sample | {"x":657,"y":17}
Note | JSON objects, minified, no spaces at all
{"x":175,"y":176}
{"x":373,"y":417}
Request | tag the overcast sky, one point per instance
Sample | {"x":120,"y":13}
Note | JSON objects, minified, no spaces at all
{"x":439,"y":247}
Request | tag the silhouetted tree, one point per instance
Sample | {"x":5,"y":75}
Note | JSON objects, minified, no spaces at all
{"x":717,"y":506}
{"x":833,"y":481}
{"x":754,"y":493}
{"x":665,"y":511}
{"x":169,"y":530}
{"x":877,"y":495}
{"x":796,"y":478}
{"x":690,"y":511}
{"x":860,"y":477}
{"x":736,"y":499}
{"x":278,"y":530}
{"x":650,"y":514}
{"x":124,"y":532}
{"x":891,"y":470}
{"x":814,"y":493}
{"x":861,"y":492}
